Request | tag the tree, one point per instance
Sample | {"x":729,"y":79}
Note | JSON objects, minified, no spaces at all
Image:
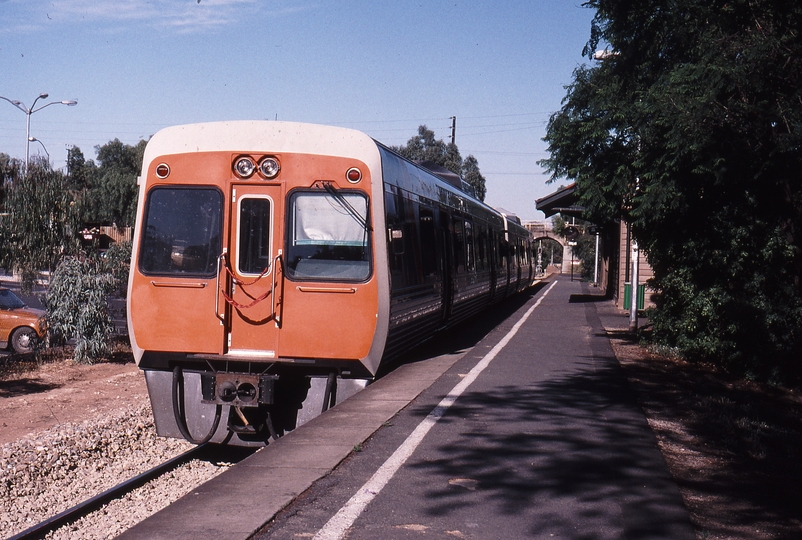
{"x":425,"y":148}
{"x":471,"y":174}
{"x":79,"y":170}
{"x":41,"y":222}
{"x":691,"y":130}
{"x":111,"y":191}
{"x":9,"y":169}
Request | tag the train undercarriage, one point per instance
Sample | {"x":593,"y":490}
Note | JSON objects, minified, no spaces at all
{"x":242,"y":409}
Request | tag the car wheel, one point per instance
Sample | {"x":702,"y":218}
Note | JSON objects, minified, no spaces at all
{"x":23,"y":339}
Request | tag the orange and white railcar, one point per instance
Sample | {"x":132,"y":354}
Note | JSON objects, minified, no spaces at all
{"x":275,"y":257}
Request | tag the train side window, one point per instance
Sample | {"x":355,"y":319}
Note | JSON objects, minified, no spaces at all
{"x":481,"y":248}
{"x":470,"y":254}
{"x":428,"y":246}
{"x":253,"y":243}
{"x":328,"y":236}
{"x":389,"y":202}
{"x":182,"y":232}
{"x":459,"y":245}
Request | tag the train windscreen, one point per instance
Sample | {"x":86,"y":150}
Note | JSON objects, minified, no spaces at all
{"x":182,"y":232}
{"x":328,"y":236}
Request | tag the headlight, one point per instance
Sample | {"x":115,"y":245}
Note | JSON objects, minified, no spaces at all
{"x":269,"y":167}
{"x":244,"y":167}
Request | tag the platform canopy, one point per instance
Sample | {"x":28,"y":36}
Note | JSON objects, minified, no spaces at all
{"x":564,"y":201}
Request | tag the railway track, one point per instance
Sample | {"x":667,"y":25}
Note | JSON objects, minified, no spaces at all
{"x":90,"y":505}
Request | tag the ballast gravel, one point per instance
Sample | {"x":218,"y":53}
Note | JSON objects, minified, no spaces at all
{"x":50,"y":471}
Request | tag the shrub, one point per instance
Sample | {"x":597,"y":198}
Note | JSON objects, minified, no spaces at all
{"x":77,"y":307}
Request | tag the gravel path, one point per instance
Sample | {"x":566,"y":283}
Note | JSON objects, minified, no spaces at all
{"x":50,"y":471}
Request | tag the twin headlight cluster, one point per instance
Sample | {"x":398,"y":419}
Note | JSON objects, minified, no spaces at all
{"x":244,"y":167}
{"x":268,"y":167}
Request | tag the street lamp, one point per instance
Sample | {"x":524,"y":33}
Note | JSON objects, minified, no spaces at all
{"x":34,"y":139}
{"x":28,"y":112}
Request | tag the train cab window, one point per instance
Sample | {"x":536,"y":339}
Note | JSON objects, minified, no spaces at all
{"x":328,"y":236}
{"x":253,"y":242}
{"x":182,"y":232}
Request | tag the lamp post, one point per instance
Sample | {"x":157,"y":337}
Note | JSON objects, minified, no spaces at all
{"x":28,"y":112}
{"x":34,"y":139}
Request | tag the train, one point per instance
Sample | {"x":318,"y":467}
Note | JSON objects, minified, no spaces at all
{"x":276,"y":266}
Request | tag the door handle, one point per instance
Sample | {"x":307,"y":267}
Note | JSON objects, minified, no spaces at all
{"x":276,"y":267}
{"x":220,"y":262}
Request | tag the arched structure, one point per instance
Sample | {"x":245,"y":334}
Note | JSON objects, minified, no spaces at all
{"x":542,"y":230}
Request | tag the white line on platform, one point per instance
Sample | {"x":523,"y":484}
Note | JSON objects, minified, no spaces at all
{"x":339,"y":524}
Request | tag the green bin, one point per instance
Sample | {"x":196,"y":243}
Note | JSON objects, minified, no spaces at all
{"x":628,"y":295}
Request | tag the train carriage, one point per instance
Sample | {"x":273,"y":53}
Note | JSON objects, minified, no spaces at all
{"x":275,"y":262}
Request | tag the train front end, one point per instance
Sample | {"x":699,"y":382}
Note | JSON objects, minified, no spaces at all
{"x":255,"y":287}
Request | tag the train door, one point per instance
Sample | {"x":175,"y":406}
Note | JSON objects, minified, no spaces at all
{"x":330,"y":294}
{"x":445,"y":240}
{"x":252,"y":286}
{"x":431,"y":248}
{"x":172,"y":293}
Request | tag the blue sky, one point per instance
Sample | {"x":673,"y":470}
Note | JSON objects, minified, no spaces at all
{"x":384,"y":68}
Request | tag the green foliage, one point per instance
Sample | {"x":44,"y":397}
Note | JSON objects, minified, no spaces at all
{"x":78,"y":169}
{"x":692,"y":132}
{"x":471,"y":174}
{"x":108,"y":190}
{"x":424,"y":147}
{"x":551,"y":252}
{"x":41,"y":222}
{"x":9,"y":169}
{"x":77,"y":307}
{"x":117,"y":262}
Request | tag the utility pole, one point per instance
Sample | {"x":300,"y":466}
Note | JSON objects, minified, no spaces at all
{"x":453,"y":128}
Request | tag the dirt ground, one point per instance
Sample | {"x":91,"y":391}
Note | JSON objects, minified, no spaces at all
{"x":37,"y":397}
{"x":732,"y":446}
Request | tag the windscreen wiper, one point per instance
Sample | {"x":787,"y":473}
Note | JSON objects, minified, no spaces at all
{"x":348,"y":207}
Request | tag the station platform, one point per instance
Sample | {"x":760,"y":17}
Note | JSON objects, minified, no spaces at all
{"x":543,"y":440}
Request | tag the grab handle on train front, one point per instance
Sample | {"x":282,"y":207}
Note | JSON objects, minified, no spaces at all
{"x":220,"y":263}
{"x":276,"y":267}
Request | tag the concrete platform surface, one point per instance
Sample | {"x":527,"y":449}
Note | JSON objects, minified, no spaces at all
{"x":547,"y":441}
{"x":224,"y":507}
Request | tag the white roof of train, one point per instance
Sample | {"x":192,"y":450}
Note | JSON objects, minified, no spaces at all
{"x":248,"y":135}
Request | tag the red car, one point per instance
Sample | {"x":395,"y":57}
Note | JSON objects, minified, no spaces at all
{"x":20,"y":326}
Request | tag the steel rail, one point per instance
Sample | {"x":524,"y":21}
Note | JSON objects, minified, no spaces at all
{"x":90,"y":505}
